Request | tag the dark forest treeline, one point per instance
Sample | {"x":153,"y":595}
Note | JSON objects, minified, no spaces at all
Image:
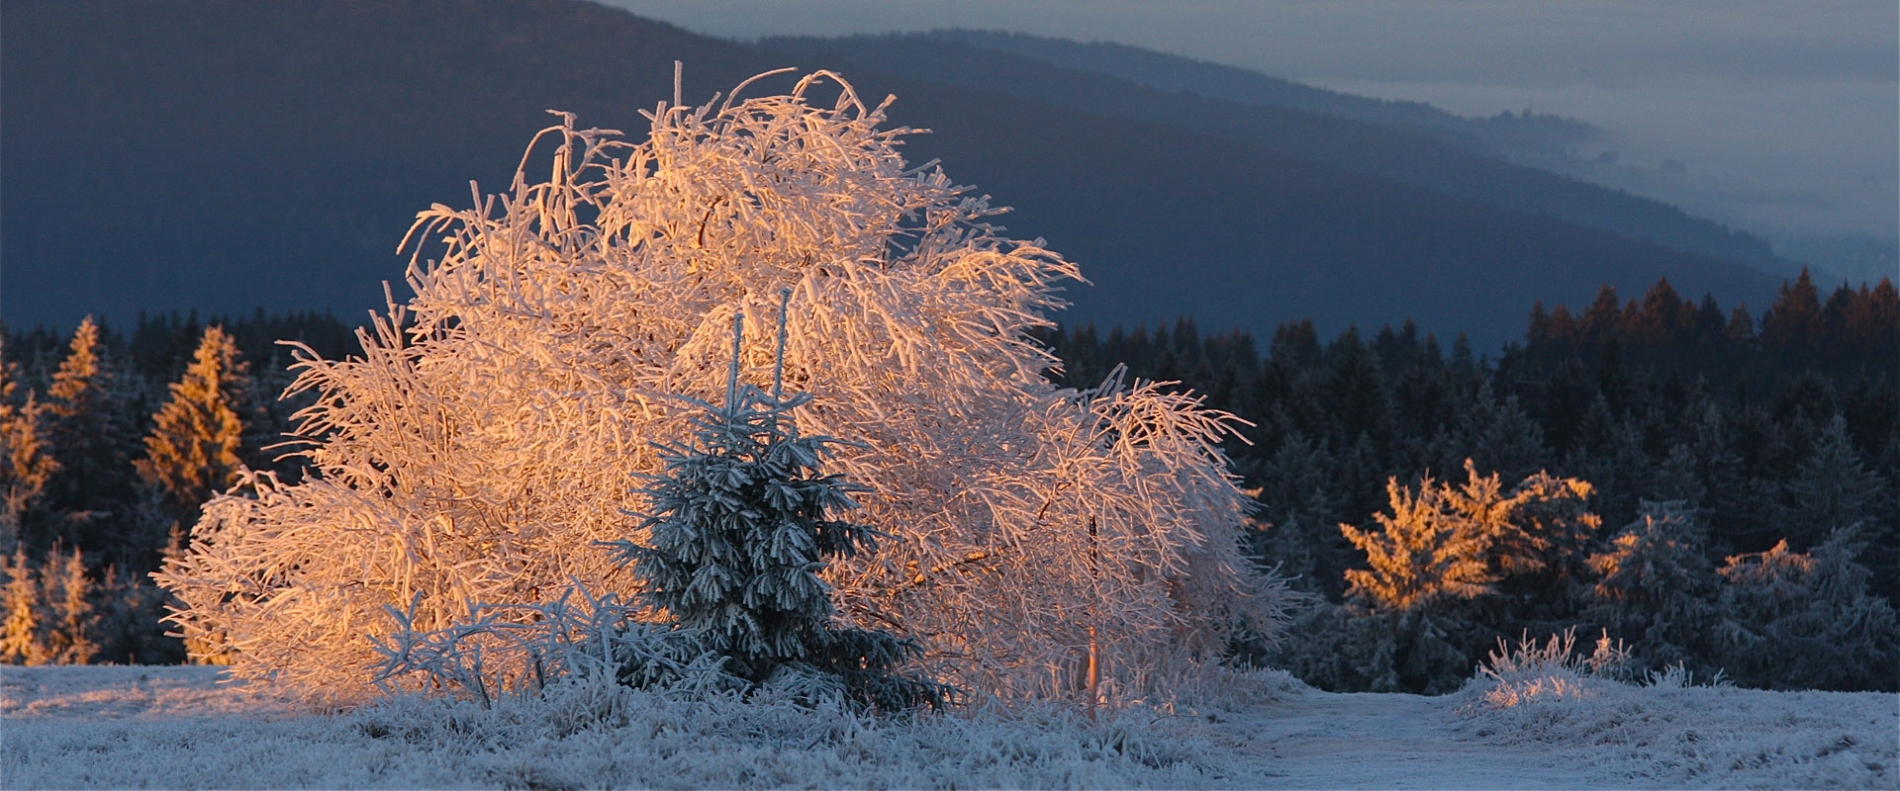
{"x":1696,"y":438}
{"x":1784,"y":425}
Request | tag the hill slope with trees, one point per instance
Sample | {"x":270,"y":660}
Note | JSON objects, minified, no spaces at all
{"x":1411,"y":144}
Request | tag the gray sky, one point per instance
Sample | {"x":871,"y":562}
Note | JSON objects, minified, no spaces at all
{"x":1785,"y":113}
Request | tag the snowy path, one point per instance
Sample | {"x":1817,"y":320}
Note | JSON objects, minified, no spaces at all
{"x":73,"y":727}
{"x":1322,"y":740}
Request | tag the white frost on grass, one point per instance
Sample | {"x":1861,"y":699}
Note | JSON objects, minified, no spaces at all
{"x":74,"y":727}
{"x":71,"y":727}
{"x":1673,"y":735}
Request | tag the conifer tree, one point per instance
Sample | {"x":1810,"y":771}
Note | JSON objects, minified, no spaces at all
{"x":20,"y":632}
{"x":86,"y":431}
{"x":26,"y":463}
{"x":1832,"y":488}
{"x":49,"y":615}
{"x":1300,"y":506}
{"x":1795,"y":620}
{"x":194,"y":449}
{"x":1547,"y":532}
{"x":70,"y":638}
{"x":1422,"y":553}
{"x":1656,"y":587}
{"x":1414,"y":619}
{"x":1398,"y":633}
{"x":1678,"y":477}
{"x":1449,"y":543}
{"x":740,"y":529}
{"x":1501,"y":437}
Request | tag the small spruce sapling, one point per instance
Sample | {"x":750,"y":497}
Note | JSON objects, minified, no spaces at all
{"x":740,"y":528}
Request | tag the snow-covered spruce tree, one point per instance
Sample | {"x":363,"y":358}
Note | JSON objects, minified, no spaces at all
{"x":20,"y":607}
{"x":86,"y":434}
{"x":1831,"y":488}
{"x":739,"y":529}
{"x":1805,"y":620}
{"x":49,"y":618}
{"x":1656,"y":587}
{"x":479,"y":448}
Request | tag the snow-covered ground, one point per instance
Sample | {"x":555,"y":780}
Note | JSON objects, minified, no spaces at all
{"x":176,"y":727}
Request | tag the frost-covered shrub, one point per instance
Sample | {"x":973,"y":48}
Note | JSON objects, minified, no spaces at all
{"x":1677,"y":729}
{"x":507,"y":651}
{"x":1529,"y":673}
{"x":481,"y":446}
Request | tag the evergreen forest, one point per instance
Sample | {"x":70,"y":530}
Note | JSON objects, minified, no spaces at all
{"x":1701,"y":488}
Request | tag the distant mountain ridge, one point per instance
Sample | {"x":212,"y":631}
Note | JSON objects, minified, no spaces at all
{"x":224,"y":155}
{"x":1504,"y":132}
{"x":1412,"y":143}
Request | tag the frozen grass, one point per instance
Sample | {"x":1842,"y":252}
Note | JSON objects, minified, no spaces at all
{"x":1671,"y":732}
{"x":63,"y":730}
{"x":114,"y":727}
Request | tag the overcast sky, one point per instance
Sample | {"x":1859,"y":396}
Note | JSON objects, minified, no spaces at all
{"x":1786,"y":113}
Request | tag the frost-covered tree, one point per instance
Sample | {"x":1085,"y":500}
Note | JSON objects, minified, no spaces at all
{"x":20,"y":642}
{"x":68,"y":591}
{"x":1831,"y":488}
{"x":26,"y":463}
{"x":1414,"y":619}
{"x":479,"y":447}
{"x":193,"y":450}
{"x":1446,"y":543}
{"x":49,"y":615}
{"x":1423,"y":551}
{"x":1298,"y":513}
{"x":86,"y":433}
{"x":1678,"y":478}
{"x":1500,"y":436}
{"x":1656,"y":587}
{"x":1805,"y":620}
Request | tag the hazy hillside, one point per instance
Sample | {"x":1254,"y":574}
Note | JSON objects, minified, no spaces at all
{"x":1506,"y":131}
{"x":1411,"y":143}
{"x":1168,"y":224}
{"x":224,"y":155}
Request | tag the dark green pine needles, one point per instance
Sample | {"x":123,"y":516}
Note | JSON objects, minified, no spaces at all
{"x":740,"y":529}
